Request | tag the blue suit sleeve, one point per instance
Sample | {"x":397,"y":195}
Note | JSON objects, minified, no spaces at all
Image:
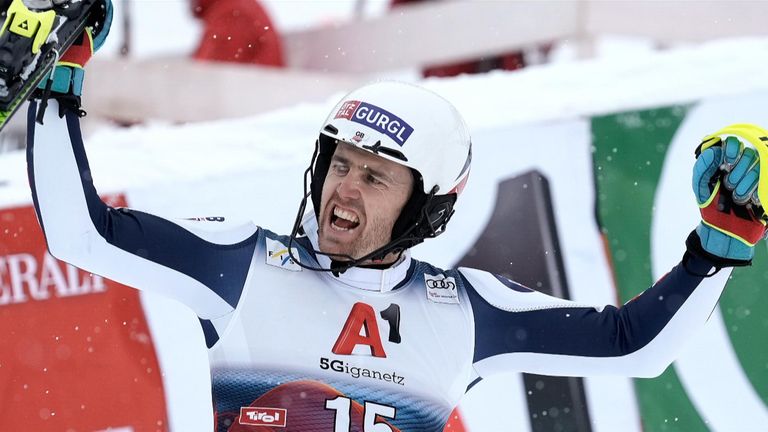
{"x":199,"y":269}
{"x":559,"y":337}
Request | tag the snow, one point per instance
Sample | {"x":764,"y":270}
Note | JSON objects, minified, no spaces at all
{"x":537,"y":94}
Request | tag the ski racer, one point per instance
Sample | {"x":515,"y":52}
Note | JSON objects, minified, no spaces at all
{"x":335,"y":327}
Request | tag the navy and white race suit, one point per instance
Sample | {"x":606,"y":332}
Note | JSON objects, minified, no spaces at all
{"x":366,"y":350}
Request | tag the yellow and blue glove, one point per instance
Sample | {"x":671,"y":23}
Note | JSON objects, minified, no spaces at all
{"x":729,"y":184}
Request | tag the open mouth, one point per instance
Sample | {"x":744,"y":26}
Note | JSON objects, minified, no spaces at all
{"x":343,"y":220}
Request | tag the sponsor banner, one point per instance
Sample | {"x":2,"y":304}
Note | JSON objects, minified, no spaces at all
{"x":628,"y":157}
{"x":734,"y":378}
{"x":77,"y":354}
{"x":643,"y":163}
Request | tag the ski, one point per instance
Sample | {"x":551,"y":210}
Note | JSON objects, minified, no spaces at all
{"x":34,"y":35}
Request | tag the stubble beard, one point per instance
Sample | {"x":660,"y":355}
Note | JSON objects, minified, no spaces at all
{"x":378,"y":235}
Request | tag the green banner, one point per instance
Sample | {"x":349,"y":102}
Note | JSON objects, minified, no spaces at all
{"x":629,"y":153}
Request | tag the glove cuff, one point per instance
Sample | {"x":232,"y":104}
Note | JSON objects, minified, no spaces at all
{"x":698,"y":261}
{"x":67,"y":80}
{"x":722,"y":244}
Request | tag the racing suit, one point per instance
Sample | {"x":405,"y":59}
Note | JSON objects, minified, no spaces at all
{"x":365,"y":350}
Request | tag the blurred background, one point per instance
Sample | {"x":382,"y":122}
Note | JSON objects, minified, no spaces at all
{"x":584,"y":117}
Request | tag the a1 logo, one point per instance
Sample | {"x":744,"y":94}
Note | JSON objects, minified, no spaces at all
{"x":362,"y":328}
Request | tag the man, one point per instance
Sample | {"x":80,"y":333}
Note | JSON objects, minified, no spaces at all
{"x":335,"y":327}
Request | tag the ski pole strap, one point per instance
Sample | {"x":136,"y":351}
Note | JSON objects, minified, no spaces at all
{"x":44,"y":100}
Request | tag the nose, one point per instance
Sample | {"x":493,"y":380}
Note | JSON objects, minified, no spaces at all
{"x":348,"y":188}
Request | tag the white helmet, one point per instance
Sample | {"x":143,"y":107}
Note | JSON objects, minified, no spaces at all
{"x":411,"y":126}
{"x":406,"y":124}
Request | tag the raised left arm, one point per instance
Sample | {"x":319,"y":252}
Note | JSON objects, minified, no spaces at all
{"x":522,"y":330}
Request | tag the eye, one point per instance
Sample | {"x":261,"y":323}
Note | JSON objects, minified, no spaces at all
{"x":339,"y":169}
{"x":374,"y":181}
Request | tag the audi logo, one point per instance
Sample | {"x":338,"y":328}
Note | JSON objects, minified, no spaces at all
{"x":441,"y":284}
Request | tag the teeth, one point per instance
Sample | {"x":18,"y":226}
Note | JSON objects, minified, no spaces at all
{"x":344,"y":215}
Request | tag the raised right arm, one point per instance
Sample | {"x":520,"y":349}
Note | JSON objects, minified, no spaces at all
{"x":201,"y":264}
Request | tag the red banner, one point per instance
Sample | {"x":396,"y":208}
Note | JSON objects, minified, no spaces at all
{"x":76,"y":352}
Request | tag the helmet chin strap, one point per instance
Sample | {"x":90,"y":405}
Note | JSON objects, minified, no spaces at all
{"x":342,"y":262}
